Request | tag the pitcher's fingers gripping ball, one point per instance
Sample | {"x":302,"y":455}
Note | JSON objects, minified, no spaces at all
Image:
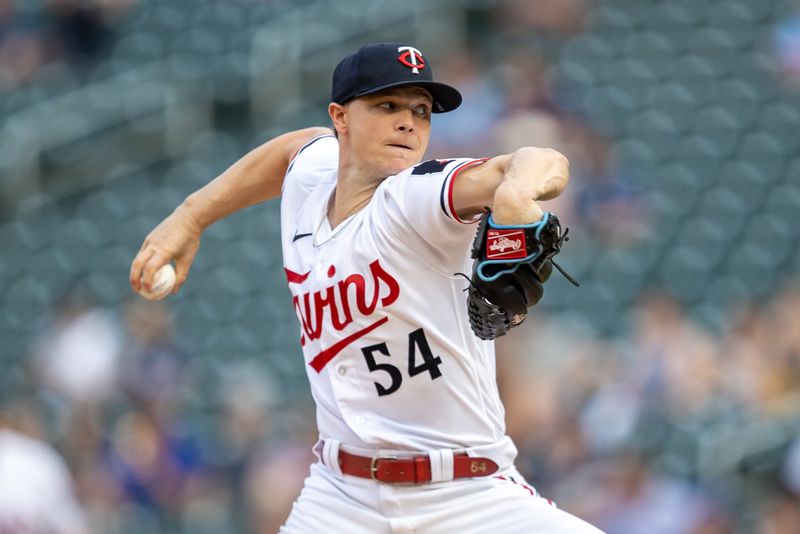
{"x":511,"y":264}
{"x":163,"y":283}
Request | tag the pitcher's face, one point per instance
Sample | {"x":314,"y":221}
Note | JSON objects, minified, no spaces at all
{"x":389,"y":130}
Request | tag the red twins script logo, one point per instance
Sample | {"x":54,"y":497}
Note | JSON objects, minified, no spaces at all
{"x":336,"y":301}
{"x":505,"y":244}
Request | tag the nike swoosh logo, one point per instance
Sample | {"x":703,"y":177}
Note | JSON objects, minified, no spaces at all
{"x":300,"y":236}
{"x":321,"y":360}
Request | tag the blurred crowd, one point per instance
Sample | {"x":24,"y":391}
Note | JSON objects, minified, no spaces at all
{"x":667,"y":424}
{"x":150,"y":447}
{"x":39,"y":39}
{"x":665,"y":428}
{"x":510,"y":97}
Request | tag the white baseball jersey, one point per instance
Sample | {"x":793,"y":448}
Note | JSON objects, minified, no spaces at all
{"x":36,"y":492}
{"x":389,"y":353}
{"x":392,"y":362}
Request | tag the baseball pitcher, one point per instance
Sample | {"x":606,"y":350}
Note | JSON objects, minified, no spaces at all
{"x":378,"y":250}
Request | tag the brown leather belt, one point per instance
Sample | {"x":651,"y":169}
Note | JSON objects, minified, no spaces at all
{"x":414,"y":470}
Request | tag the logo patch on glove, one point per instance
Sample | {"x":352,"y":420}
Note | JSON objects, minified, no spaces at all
{"x":505,"y":244}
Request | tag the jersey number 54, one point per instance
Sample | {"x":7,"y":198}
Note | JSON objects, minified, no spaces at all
{"x":417,"y":344}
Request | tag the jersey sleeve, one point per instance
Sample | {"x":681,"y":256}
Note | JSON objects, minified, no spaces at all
{"x":313,"y":164}
{"x":418,"y":205}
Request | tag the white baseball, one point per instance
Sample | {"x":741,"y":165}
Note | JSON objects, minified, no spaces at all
{"x":163,"y":282}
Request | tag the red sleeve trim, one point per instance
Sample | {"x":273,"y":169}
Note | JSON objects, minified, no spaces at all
{"x":450,"y":204}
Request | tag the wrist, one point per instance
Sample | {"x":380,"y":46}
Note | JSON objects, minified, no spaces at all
{"x":513,"y":207}
{"x":191,"y":213}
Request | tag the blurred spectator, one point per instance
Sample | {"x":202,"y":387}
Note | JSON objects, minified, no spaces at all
{"x":530,"y":116}
{"x":155,"y":465}
{"x":275,"y":473}
{"x":77,"y":354}
{"x":267,"y":449}
{"x":529,"y":112}
{"x":786,"y":44}
{"x":36,"y":494}
{"x":672,"y":361}
{"x":21,"y":45}
{"x":153,"y":455}
{"x":763,"y":347}
{"x":246,"y":398}
{"x":608,"y":204}
{"x":561,"y":17}
{"x":634,"y":495}
{"x":465,"y":133}
{"x":71,"y":32}
{"x":79,"y":29}
{"x":155,"y":370}
{"x":780,"y":516}
{"x":600,"y":197}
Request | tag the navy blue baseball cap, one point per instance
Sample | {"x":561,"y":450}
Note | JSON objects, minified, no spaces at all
{"x":376,"y":67}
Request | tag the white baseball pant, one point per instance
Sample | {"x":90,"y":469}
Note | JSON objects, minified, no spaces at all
{"x":501,"y":503}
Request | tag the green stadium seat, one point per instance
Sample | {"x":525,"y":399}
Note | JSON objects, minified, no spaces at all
{"x":25,"y":303}
{"x":587,"y":49}
{"x":636,"y":154}
{"x":746,"y":181}
{"x":597,"y":304}
{"x":696,"y":74}
{"x":615,"y":17}
{"x":709,"y":316}
{"x":724,"y":208}
{"x":702,"y":235}
{"x":622,"y":271}
{"x":751,"y":260}
{"x":720,"y":124}
{"x":198,"y":42}
{"x":167,"y":19}
{"x":725,"y":291}
{"x":717,"y":47}
{"x":674,"y":193}
{"x":685,"y":270}
{"x":656,"y":128}
{"x":651,"y":47}
{"x":783,"y":203}
{"x":753,"y":12}
{"x":766,"y":152}
{"x":576,"y":74}
{"x":106,"y":211}
{"x":670,"y":15}
{"x":610,"y":105}
{"x":141,"y":46}
{"x":24,"y":235}
{"x":735,"y":19}
{"x":781,"y":119}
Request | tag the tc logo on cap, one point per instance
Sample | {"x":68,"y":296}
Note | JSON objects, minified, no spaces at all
{"x":411,"y":58}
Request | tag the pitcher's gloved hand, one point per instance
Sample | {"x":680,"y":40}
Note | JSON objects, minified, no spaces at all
{"x":511,"y":264}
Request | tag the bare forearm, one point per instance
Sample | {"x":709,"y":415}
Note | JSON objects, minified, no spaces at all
{"x":530,"y":175}
{"x":255,"y":178}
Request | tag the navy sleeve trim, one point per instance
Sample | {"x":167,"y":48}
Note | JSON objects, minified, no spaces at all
{"x":446,"y":194}
{"x":308,"y":144}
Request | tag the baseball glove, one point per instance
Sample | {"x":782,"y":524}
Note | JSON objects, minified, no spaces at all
{"x":511,"y":264}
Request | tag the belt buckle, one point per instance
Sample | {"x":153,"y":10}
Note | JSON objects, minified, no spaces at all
{"x":373,"y":466}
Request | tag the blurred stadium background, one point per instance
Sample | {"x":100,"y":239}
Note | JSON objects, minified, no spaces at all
{"x":664,"y":394}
